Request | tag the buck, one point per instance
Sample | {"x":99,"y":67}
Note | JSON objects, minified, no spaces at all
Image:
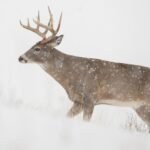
{"x":87,"y":81}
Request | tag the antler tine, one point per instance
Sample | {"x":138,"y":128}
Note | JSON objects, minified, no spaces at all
{"x":58,"y":27}
{"x":46,"y":30}
{"x":35,"y":30}
{"x":21,"y":24}
{"x":38,"y":18}
{"x":51,"y":25}
{"x":28,"y":23}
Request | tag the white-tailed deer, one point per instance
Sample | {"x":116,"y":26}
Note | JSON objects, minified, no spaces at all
{"x":87,"y":81}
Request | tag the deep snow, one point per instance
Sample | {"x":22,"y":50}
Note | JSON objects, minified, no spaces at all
{"x":26,"y":129}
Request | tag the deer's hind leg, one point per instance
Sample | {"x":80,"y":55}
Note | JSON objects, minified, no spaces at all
{"x":75,"y":109}
{"x":144,"y":112}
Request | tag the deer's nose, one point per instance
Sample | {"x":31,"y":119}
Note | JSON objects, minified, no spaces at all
{"x":20,"y":59}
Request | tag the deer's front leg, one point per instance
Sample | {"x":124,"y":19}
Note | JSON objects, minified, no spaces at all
{"x":87,"y":111}
{"x":75,"y":109}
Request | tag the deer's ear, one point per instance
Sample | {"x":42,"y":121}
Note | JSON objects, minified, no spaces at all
{"x":55,"y":42}
{"x":59,"y":39}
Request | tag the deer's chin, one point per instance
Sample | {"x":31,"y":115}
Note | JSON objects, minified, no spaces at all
{"x":24,"y":61}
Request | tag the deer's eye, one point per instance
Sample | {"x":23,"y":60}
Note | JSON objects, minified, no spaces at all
{"x":37,"y":49}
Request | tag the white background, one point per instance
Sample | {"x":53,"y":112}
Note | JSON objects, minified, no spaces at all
{"x":33,"y":106}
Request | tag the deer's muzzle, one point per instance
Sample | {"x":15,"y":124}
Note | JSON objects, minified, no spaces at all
{"x":22,"y":59}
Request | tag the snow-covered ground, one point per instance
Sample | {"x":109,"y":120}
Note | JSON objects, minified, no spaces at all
{"x":26,"y":129}
{"x":33,"y":106}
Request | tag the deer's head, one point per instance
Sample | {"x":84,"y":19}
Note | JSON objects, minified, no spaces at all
{"x":43,"y":49}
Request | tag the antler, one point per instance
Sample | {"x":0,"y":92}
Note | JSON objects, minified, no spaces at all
{"x":49,"y":27}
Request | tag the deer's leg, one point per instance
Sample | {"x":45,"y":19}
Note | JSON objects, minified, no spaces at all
{"x":87,"y":111}
{"x":144,"y":113}
{"x":75,"y":109}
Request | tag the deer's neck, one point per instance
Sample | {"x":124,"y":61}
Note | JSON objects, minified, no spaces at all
{"x":55,"y":65}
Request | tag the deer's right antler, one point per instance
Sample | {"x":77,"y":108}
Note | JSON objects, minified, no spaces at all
{"x":49,"y":27}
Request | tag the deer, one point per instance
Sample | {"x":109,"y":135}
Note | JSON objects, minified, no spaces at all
{"x":88,"y":81}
